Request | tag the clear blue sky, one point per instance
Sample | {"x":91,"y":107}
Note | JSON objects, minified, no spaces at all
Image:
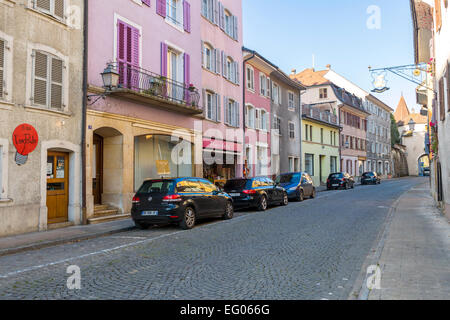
{"x":289,"y":32}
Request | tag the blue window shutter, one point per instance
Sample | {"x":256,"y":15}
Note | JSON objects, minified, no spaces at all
{"x":219,"y":109}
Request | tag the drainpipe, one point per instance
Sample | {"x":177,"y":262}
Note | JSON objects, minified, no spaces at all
{"x":84,"y":109}
{"x":300,"y":91}
{"x":244,"y":75}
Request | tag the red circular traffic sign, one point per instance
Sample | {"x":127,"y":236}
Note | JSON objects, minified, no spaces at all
{"x":25,"y":139}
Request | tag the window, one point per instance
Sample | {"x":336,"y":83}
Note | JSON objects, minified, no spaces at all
{"x":333,"y":164}
{"x":321,"y":135}
{"x":231,"y":112}
{"x":323,"y":93}
{"x":263,"y":120}
{"x":309,"y":164}
{"x":291,"y":164}
{"x":291,"y":98}
{"x":47,"y":80}
{"x":262,"y":84}
{"x":250,"y":117}
{"x":228,"y":23}
{"x":250,"y":78}
{"x":231,"y":69}
{"x":291,"y":130}
{"x":2,"y":68}
{"x":277,"y":124}
{"x":296,"y":164}
{"x":276,"y":93}
{"x":213,"y":108}
{"x":54,"y":8}
{"x":441,"y":99}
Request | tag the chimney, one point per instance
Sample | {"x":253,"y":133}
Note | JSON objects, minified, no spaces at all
{"x":294,"y":71}
{"x":329,"y":66}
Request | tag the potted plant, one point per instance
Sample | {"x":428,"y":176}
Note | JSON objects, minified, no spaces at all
{"x":191,"y":88}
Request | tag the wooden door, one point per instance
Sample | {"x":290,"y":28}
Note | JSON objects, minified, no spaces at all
{"x":57,"y":186}
{"x":97,"y":169}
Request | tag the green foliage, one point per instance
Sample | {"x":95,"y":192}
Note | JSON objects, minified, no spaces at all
{"x":395,"y":135}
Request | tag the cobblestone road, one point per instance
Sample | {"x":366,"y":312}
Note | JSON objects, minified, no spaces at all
{"x":309,"y":250}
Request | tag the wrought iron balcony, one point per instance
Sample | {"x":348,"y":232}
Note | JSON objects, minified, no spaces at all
{"x":145,"y":86}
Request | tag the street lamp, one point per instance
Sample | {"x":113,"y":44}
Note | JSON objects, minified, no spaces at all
{"x":110,"y":77}
{"x":412,"y":125}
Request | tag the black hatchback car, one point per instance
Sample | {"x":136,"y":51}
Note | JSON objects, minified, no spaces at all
{"x":258,"y":192}
{"x":340,"y":180}
{"x":370,"y":178}
{"x":180,"y":201}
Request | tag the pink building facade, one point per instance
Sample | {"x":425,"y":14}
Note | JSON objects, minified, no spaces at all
{"x":257,"y":112}
{"x":153,"y":117}
{"x":220,"y":56}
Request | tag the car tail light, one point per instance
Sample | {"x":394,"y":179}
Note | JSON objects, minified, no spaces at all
{"x":249,"y":191}
{"x":172,"y":198}
{"x":136,"y":200}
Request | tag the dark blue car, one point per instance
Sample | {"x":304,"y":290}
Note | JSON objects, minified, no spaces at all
{"x":180,"y":201}
{"x":298,"y":185}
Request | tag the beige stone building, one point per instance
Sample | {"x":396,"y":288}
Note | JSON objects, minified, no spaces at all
{"x":41,"y":73}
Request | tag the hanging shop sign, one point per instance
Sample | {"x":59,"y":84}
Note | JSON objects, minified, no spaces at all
{"x":25,"y":139}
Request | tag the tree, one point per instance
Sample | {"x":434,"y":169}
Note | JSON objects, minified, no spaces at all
{"x":395,"y":135}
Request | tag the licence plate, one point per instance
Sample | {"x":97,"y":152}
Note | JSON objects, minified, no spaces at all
{"x":335,"y":185}
{"x":235,"y":194}
{"x":149,"y":213}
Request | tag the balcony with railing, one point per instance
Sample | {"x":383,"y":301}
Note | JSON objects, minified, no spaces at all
{"x":143,"y":86}
{"x":322,"y":116}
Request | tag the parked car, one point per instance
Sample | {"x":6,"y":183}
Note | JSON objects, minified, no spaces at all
{"x":298,"y":185}
{"x":340,"y":180}
{"x":259,"y":192}
{"x":426,"y":171}
{"x":180,"y":201}
{"x":370,"y":178}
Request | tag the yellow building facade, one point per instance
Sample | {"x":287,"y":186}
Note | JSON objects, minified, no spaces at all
{"x":320,"y":144}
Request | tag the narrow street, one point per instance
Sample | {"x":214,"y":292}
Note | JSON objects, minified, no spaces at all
{"x":309,"y":250}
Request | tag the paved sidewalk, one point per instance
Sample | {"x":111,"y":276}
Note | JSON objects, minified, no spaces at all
{"x":415,"y":259}
{"x":37,"y":240}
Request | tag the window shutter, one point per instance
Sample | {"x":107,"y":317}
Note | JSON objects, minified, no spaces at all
{"x":216,"y":12}
{"x":203,"y":54}
{"x":147,"y":2}
{"x":2,"y":67}
{"x":237,"y":114}
{"x":187,"y":70}
{"x":211,"y":10}
{"x":226,"y":106}
{"x":40,"y":78}
{"x":218,"y":62}
{"x":121,"y":50}
{"x":214,"y":107}
{"x":221,"y":16}
{"x":224,"y":64}
{"x":246,"y":116}
{"x":448,"y":86}
{"x":42,"y":4}
{"x":59,"y":8}
{"x":441,"y":99}
{"x":205,"y":103}
{"x":214,"y":60}
{"x":161,"y":7}
{"x":235,"y":28}
{"x":56,"y":95}
{"x":269,"y":85}
{"x":238,"y":74}
{"x":164,"y":49}
{"x":187,"y":16}
{"x":135,"y":47}
{"x":219,"y":109}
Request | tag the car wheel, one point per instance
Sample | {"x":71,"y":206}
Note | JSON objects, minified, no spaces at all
{"x":262,"y":204}
{"x":188,"y":221}
{"x":313,"y":195}
{"x":141,"y":226}
{"x":300,"y":196}
{"x":229,"y":211}
{"x":285,"y":201}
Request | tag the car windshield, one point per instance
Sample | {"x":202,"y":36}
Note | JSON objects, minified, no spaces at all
{"x":237,"y":184}
{"x":336,"y":176}
{"x":368,"y":174}
{"x":157,"y":186}
{"x":288,"y":178}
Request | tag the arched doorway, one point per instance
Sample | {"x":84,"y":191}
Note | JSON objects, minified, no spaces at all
{"x":107,"y":166}
{"x":423,"y":162}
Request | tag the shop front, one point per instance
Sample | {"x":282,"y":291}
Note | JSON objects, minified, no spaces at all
{"x":222,"y":160}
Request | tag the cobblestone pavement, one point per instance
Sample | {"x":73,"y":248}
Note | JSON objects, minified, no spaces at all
{"x":309,"y":250}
